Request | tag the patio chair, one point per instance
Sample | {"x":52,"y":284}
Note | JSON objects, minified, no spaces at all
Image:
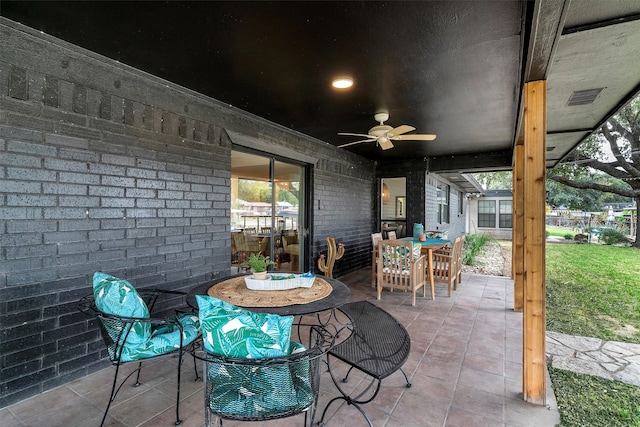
{"x":131,"y":334}
{"x":245,"y":244}
{"x":447,"y":265}
{"x":375,"y":238}
{"x":401,"y":266}
{"x":378,"y":346}
{"x":252,"y":371}
{"x":291,"y":247}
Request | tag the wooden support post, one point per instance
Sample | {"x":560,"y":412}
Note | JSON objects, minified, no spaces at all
{"x":534,"y":334}
{"x":517,"y":239}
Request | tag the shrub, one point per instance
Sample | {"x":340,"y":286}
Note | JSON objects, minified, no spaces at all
{"x":611,"y":236}
{"x":568,"y":237}
{"x":473,"y":244}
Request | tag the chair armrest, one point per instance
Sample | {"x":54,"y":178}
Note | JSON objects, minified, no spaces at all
{"x":441,"y":257}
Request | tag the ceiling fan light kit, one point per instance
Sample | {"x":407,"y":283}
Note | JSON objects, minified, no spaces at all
{"x":383,"y":134}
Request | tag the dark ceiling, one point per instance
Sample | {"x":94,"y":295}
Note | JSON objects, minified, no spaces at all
{"x":453,"y":68}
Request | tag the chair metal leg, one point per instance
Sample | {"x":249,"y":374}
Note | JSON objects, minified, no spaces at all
{"x":178,"y":420}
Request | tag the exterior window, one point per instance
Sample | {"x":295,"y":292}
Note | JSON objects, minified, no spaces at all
{"x":487,"y":213}
{"x":460,"y":202}
{"x":443,"y":203}
{"x":505,"y":213}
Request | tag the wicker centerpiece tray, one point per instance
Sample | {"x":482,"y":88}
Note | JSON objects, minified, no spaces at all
{"x":276,"y":282}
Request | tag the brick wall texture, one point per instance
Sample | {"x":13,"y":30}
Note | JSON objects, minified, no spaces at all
{"x":105,"y":168}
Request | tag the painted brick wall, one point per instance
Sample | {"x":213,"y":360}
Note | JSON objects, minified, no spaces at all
{"x":105,"y":168}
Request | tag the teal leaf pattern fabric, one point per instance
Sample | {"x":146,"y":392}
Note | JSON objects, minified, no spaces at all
{"x":252,"y":391}
{"x":118,"y":297}
{"x":232,"y":331}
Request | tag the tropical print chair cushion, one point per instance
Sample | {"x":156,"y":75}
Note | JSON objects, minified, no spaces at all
{"x":249,"y":391}
{"x":393,"y":260}
{"x":118,"y":297}
{"x":232,"y":331}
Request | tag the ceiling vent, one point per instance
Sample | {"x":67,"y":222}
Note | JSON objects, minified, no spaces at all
{"x":584,"y":97}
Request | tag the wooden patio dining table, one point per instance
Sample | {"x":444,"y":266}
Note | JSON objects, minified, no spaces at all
{"x":428,"y":246}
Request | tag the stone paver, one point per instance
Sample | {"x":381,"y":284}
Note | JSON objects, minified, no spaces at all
{"x":613,"y":360}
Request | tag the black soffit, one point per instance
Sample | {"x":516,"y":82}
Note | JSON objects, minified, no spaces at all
{"x":454,"y":69}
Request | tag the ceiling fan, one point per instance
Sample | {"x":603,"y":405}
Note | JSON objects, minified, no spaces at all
{"x":383,"y":134}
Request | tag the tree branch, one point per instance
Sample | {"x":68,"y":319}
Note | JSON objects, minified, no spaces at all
{"x":595,"y":186}
{"x":613,"y":144}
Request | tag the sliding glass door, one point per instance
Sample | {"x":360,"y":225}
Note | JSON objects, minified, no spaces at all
{"x":267,"y":210}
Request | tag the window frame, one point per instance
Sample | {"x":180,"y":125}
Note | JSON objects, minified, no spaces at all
{"x":486,"y":217}
{"x":444,"y":212}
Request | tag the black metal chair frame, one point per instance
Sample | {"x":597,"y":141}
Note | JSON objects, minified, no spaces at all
{"x":310,"y":360}
{"x":378,"y":346}
{"x":87,"y":306}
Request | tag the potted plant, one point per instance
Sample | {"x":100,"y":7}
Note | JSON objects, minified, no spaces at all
{"x":258,"y":264}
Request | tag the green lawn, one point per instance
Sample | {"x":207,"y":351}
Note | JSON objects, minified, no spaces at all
{"x":560,"y":232}
{"x":585,"y":400}
{"x":594,"y":291}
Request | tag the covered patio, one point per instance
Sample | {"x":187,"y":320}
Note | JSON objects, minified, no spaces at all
{"x":465,"y":367}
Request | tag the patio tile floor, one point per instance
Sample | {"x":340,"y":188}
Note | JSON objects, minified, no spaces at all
{"x":465,"y":368}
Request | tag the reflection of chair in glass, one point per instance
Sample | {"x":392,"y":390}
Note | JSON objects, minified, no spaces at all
{"x":375,"y":238}
{"x":291,"y":247}
{"x":131,"y":334}
{"x":264,"y":246}
{"x":249,"y":230}
{"x":265,"y":230}
{"x":447,"y":265}
{"x":401,"y":231}
{"x":401,"y":266}
{"x":246,"y":244}
{"x":391,"y":235}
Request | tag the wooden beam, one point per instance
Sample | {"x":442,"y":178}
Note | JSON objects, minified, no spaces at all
{"x":517,"y":240}
{"x":534,"y":333}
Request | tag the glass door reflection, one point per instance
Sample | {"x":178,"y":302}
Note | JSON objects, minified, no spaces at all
{"x":266,"y":211}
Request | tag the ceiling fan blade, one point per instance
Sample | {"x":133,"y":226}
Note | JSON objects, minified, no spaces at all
{"x":401,"y":129}
{"x":356,"y":142}
{"x":357,"y":134}
{"x":416,"y":137}
{"x":385,"y":143}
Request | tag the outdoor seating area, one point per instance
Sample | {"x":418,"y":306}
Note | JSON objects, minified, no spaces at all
{"x":464,"y":364}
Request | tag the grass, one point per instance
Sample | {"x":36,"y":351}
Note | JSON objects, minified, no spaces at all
{"x":560,"y":232}
{"x":594,"y":291}
{"x":585,"y":400}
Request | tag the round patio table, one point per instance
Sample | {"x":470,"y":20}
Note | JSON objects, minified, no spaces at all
{"x":339,"y":295}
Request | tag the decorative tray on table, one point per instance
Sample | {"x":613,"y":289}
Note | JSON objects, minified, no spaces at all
{"x":279,"y":282}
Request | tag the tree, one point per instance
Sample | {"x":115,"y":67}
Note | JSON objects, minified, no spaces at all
{"x":494,"y":180}
{"x":585,"y":166}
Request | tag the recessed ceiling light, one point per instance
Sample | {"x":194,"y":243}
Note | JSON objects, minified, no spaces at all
{"x":342,"y":82}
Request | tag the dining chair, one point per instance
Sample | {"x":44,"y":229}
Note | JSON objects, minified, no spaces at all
{"x":253,"y":371}
{"x":132,"y":334}
{"x":375,"y":238}
{"x":291,"y":247}
{"x":245,"y":244}
{"x":459,"y":264}
{"x":447,"y":265}
{"x":402,"y":266}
